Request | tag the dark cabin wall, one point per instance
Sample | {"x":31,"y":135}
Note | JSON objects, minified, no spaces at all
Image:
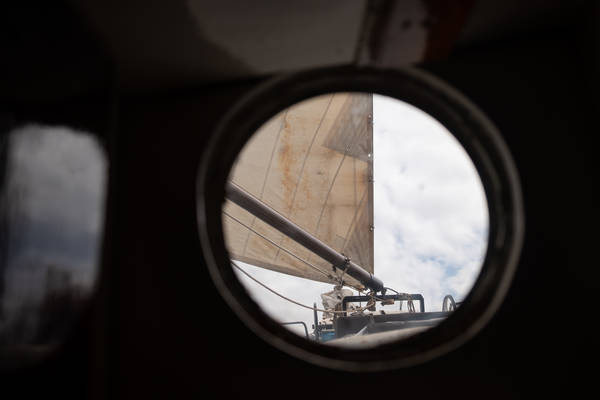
{"x":159,"y":329}
{"x":541,"y":92}
{"x":169,"y":322}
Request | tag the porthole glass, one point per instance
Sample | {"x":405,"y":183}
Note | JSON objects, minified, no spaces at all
{"x":360,"y":219}
{"x":375,"y":180}
{"x":53,"y":188}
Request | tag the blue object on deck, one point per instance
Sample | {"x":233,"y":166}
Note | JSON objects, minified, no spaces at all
{"x":327,"y":335}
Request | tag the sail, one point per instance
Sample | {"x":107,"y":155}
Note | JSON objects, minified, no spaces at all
{"x":313,"y":164}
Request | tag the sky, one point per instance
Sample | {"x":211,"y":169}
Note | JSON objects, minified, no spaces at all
{"x":431,"y":218}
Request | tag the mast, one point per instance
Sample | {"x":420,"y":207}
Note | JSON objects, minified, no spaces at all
{"x":299,"y":235}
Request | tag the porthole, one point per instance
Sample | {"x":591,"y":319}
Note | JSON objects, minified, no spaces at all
{"x":289,"y":201}
{"x":52,"y":194}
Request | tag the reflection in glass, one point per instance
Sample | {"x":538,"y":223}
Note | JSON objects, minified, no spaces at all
{"x":383,"y":185}
{"x":51,"y":213}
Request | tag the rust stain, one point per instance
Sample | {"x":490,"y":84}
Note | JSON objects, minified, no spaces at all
{"x":287,"y":158}
{"x":327,"y":233}
{"x":305,"y":187}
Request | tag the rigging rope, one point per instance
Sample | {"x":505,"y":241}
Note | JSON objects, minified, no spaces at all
{"x":329,"y":276}
{"x":409,"y":303}
{"x":294,"y":301}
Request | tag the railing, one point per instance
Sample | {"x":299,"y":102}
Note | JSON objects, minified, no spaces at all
{"x":297,"y":323}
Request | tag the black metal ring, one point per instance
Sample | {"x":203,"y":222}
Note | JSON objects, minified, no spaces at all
{"x":464,"y":120}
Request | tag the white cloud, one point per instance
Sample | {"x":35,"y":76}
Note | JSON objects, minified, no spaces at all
{"x":430,"y":209}
{"x":431,"y":218}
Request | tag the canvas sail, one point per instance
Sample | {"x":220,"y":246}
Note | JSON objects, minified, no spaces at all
{"x":313,"y":164}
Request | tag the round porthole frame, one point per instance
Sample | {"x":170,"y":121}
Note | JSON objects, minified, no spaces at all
{"x":474,"y":131}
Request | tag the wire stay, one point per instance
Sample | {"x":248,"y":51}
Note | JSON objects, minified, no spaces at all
{"x":329,"y":276}
{"x":361,"y":309}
